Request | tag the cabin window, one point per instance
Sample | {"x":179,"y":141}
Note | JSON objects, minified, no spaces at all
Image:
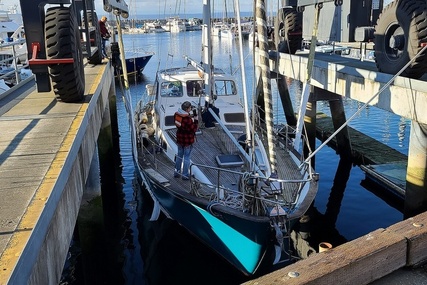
{"x":225,"y":87}
{"x":169,"y":121}
{"x":194,"y":87}
{"x":234,"y":117}
{"x":171,"y":89}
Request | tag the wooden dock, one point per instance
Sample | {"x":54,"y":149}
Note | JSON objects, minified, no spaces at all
{"x":336,"y":77}
{"x":361,"y":261}
{"x":47,"y":148}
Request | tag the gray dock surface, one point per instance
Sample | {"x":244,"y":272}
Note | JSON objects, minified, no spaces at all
{"x":40,"y":137}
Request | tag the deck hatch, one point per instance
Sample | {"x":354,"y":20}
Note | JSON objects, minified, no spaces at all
{"x":227,"y":160}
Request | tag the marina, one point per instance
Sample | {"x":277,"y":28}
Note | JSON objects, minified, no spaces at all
{"x":360,"y":228}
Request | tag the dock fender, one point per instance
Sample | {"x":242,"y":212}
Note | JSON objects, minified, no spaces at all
{"x":279,"y":246}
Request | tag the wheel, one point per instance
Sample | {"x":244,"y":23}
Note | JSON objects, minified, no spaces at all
{"x":400,"y":29}
{"x":62,"y":38}
{"x":95,"y":37}
{"x":288,"y":30}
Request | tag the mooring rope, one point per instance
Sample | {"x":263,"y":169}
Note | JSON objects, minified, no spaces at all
{"x":265,"y":77}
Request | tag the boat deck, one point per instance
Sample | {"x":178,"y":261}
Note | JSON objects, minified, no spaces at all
{"x":211,"y":143}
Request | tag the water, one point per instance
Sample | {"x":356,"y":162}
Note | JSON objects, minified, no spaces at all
{"x":143,"y":252}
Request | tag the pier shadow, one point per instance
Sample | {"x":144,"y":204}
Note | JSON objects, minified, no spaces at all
{"x":14,"y":143}
{"x":384,"y":194}
{"x":322,"y":227}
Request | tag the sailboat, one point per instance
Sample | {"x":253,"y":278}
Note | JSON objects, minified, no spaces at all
{"x":244,"y":192}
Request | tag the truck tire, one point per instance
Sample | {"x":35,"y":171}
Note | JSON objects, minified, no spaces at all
{"x":62,"y":37}
{"x":96,"y":57}
{"x":400,"y":29}
{"x":288,"y":30}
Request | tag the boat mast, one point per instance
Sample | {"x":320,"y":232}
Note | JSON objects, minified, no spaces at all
{"x":242,"y":63}
{"x":122,"y":52}
{"x":207,"y":49}
{"x":264,"y":62}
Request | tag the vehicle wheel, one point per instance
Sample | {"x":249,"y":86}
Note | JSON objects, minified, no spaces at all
{"x":95,"y":36}
{"x":400,"y":29}
{"x":288,"y":30}
{"x":62,"y":38}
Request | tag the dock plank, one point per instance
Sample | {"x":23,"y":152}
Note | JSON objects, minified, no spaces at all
{"x":415,"y":231}
{"x":361,"y":261}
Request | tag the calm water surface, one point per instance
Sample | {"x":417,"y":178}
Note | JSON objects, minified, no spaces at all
{"x":161,"y":252}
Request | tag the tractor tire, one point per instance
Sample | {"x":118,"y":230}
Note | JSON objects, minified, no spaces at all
{"x":96,"y":57}
{"x":288,"y":30}
{"x":62,"y":38}
{"x":400,"y":29}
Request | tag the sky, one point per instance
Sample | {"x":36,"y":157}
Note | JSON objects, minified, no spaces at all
{"x":159,"y":7}
{"x":168,"y":7}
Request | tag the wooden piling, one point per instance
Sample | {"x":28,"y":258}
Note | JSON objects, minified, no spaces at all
{"x":285,"y":98}
{"x":416,"y":184}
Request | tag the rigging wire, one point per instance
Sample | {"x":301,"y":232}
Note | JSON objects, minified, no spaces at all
{"x":365,"y":105}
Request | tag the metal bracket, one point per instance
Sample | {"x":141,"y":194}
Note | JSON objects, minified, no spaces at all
{"x":34,"y":61}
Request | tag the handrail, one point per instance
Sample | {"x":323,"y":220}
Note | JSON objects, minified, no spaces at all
{"x":10,"y":59}
{"x":271,"y":182}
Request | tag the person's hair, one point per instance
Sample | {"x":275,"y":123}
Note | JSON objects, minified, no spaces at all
{"x":103,"y":18}
{"x":185,"y":105}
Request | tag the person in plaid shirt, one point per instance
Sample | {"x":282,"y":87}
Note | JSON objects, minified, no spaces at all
{"x":185,"y":136}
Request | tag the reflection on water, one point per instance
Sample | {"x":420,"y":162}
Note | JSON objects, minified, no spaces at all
{"x":173,"y":256}
{"x":401,"y":134}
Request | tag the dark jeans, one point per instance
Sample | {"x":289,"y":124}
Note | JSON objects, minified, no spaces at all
{"x":103,"y":44}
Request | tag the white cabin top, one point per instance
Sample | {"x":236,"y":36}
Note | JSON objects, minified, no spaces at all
{"x":177,"y":85}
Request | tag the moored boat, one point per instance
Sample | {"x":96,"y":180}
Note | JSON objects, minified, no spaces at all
{"x":135,"y":62}
{"x":243,"y":193}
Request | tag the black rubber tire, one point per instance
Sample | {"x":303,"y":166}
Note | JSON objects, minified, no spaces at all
{"x":288,"y":30}
{"x":405,"y":20}
{"x":62,"y":38}
{"x":96,"y":58}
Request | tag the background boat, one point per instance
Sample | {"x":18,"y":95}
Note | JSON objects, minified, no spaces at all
{"x":135,"y":62}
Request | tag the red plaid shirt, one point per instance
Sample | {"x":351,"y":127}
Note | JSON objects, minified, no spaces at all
{"x":185,"y":134}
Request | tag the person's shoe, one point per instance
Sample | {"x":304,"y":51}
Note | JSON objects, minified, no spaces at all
{"x":176,"y":175}
{"x":185,"y":178}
